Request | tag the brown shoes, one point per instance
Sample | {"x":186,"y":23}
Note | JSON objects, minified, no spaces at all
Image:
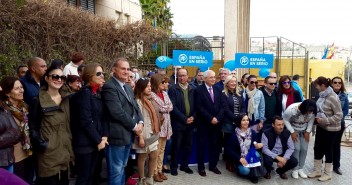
{"x":283,"y":176}
{"x":268,"y":175}
{"x":157,"y":178}
{"x":162,"y":176}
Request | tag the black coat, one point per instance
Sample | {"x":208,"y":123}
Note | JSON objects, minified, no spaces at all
{"x":296,"y":98}
{"x":234,"y":148}
{"x":229,"y":116}
{"x":178,"y":114}
{"x":206,"y":109}
{"x":122,"y":113}
{"x":86,"y":120}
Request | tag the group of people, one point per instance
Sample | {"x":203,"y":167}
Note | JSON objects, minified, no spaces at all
{"x":54,"y":117}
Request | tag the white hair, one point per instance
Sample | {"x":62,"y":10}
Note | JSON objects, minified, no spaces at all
{"x":206,"y":73}
{"x":224,"y":69}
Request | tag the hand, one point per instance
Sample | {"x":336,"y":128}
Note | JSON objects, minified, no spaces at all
{"x":190,"y":120}
{"x":306,"y":136}
{"x":243,"y":161}
{"x":294,"y":136}
{"x":141,"y":142}
{"x":139,"y":129}
{"x":280,"y":165}
{"x":214,"y":121}
{"x":260,"y":125}
{"x":105,"y":139}
{"x":281,"y":160}
{"x":101,"y":145}
{"x":319,"y":120}
{"x":258,"y":145}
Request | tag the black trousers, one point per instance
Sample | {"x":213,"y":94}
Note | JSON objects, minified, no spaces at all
{"x":58,"y":179}
{"x":290,"y":164}
{"x":85,"y":165}
{"x":25,"y":169}
{"x":337,"y":148}
{"x":181,"y":144}
{"x":323,"y":146}
{"x":207,"y":137}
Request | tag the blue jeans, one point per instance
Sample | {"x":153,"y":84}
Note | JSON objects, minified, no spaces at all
{"x":167,"y":151}
{"x":117,"y":157}
{"x":245,"y":170}
{"x":8,"y":168}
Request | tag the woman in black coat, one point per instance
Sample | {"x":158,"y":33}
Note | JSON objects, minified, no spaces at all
{"x":233,"y":105}
{"x":86,"y":123}
{"x":239,"y":144}
{"x":287,"y":94}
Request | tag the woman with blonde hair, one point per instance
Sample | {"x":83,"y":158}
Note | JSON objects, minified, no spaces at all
{"x":163,"y":104}
{"x":146,"y":144}
{"x":233,"y":105}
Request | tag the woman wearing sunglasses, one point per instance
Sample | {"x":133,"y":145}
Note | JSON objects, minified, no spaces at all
{"x":287,"y":94}
{"x":339,"y":88}
{"x":49,"y":129}
{"x":164,"y":106}
{"x":329,"y":117}
{"x":255,"y":103}
{"x":86,"y":123}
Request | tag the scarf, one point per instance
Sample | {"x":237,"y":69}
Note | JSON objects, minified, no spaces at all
{"x":322,"y":96}
{"x":250,"y":95}
{"x":245,"y":139}
{"x":153,"y":116}
{"x":95,"y":87}
{"x":21,"y":113}
{"x":184,"y":87}
{"x":289,"y":93}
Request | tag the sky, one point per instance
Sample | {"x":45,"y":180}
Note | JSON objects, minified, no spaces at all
{"x":302,"y":21}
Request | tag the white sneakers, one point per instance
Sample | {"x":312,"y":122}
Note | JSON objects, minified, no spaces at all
{"x":302,"y":174}
{"x":295,"y":174}
{"x":299,"y":172}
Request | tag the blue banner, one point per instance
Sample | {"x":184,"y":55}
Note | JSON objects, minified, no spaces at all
{"x":250,"y":60}
{"x":192,"y":58}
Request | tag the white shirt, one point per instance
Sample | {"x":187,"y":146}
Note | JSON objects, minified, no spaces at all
{"x":71,"y":69}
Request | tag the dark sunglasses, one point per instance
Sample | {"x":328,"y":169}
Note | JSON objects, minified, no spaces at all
{"x":272,"y":83}
{"x":253,"y":82}
{"x":337,"y":82}
{"x":100,"y":73}
{"x":286,"y":82}
{"x":56,"y":77}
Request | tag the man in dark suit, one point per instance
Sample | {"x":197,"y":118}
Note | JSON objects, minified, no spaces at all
{"x":182,"y":122}
{"x":123,"y":119}
{"x":209,"y":114}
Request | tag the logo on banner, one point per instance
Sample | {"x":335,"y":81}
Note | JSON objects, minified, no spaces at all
{"x":244,"y":60}
{"x":183,"y":58}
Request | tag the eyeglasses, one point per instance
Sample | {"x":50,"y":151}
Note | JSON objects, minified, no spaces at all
{"x":288,"y":83}
{"x":337,"y":82}
{"x":253,"y":82}
{"x":272,"y":83}
{"x":56,"y":77}
{"x":100,"y":73}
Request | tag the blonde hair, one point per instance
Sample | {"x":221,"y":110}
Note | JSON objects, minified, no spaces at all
{"x":227,"y":80}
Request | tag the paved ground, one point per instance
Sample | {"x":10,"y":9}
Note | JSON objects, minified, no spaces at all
{"x":227,"y":178}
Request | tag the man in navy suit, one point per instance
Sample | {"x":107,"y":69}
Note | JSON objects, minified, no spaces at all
{"x":209,"y":114}
{"x":123,"y":119}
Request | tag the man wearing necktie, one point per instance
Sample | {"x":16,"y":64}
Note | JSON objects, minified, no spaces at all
{"x":209,"y":114}
{"x":123,"y":119}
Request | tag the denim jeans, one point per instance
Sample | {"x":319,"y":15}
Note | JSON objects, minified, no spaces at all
{"x":167,"y":151}
{"x":8,"y":168}
{"x":301,"y":149}
{"x":117,"y":157}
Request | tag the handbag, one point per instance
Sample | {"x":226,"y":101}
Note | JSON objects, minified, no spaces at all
{"x":258,"y":171}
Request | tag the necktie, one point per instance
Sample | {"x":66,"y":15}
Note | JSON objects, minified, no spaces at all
{"x":211,"y":94}
{"x":124,"y":89}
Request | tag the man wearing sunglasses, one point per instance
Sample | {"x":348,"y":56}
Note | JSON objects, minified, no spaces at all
{"x":272,"y":106}
{"x":31,"y":81}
